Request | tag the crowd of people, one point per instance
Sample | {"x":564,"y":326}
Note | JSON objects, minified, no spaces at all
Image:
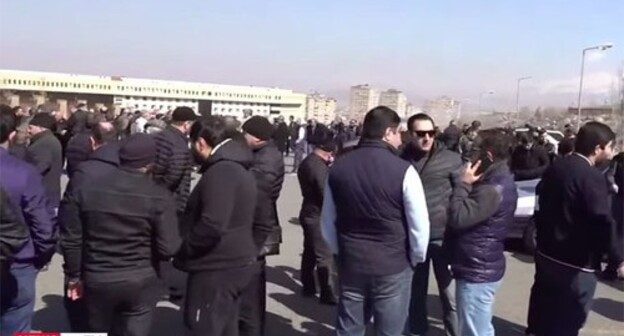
{"x":375,"y":218}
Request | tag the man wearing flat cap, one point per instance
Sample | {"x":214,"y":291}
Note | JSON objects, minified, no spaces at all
{"x":268,"y":169}
{"x":46,"y":153}
{"x":115,"y":230}
{"x":172,"y":170}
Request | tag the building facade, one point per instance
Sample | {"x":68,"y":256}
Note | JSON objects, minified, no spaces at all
{"x":37,"y":88}
{"x":395,"y":100}
{"x":321,"y":108}
{"x":362,"y":99}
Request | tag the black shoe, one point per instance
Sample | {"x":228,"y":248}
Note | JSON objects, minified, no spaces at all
{"x":328,"y":299}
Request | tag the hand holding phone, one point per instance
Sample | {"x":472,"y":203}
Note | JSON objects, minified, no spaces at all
{"x":470,"y":175}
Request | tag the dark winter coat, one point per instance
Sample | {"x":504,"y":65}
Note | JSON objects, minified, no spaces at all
{"x":14,"y":232}
{"x":46,"y":154}
{"x":220,"y":213}
{"x":481,"y":216}
{"x":24,"y":187}
{"x":312,"y":176}
{"x":281,"y":137}
{"x":529,"y":164}
{"x":173,"y":165}
{"x":440,"y":172}
{"x":268,"y":169}
{"x":117,"y":227}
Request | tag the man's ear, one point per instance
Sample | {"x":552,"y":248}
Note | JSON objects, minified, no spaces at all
{"x":12,"y":136}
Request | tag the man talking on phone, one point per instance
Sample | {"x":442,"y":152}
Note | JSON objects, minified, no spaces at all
{"x":481,"y":213}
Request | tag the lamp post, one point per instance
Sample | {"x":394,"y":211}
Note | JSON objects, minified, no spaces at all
{"x":580,"y":94}
{"x":518,"y":96}
{"x":490,"y":92}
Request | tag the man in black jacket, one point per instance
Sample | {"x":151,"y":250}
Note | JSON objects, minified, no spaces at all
{"x":46,"y":153}
{"x":528,"y":161}
{"x":440,"y":170}
{"x":218,"y":251}
{"x":268,"y":169}
{"x":115,"y":230}
{"x":172,"y":170}
{"x":103,"y":160}
{"x":15,"y":233}
{"x":312,"y":175}
{"x":573,"y":222}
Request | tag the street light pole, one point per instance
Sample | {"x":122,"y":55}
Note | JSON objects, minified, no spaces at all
{"x":518,"y":96}
{"x":580,"y":94}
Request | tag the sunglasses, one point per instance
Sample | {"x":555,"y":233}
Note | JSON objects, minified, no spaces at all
{"x":422,"y":134}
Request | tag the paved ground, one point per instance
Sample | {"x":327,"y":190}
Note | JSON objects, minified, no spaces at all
{"x":290,"y":314}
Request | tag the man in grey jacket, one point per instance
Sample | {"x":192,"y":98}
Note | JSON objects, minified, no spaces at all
{"x":440,"y":170}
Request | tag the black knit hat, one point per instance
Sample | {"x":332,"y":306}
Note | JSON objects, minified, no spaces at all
{"x":260,"y":127}
{"x":183,"y":113}
{"x":43,"y":120}
{"x":137,"y":151}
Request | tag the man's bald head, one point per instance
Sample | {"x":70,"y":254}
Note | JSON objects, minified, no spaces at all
{"x":104,"y":132}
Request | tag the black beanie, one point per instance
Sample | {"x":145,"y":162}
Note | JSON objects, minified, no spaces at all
{"x":137,"y":151}
{"x":260,"y":127}
{"x":43,"y":120}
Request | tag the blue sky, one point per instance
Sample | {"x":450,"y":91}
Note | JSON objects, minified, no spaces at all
{"x":426,"y":48}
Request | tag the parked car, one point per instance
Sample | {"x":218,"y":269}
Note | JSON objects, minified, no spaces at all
{"x":524,"y":225}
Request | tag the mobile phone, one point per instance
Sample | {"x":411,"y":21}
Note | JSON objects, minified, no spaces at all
{"x":485,"y":163}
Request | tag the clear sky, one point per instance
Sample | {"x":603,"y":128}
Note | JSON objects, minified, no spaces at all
{"x":425,"y":48}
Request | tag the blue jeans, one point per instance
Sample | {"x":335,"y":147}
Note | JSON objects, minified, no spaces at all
{"x":18,"y":300}
{"x":475,"y":303}
{"x":385,"y":298}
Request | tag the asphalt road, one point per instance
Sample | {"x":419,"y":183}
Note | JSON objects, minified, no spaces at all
{"x":290,"y":314}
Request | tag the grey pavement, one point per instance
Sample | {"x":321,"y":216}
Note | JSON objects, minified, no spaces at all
{"x":291,"y":314}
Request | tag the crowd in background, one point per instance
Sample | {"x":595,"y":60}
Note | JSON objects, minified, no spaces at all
{"x":131,"y":231}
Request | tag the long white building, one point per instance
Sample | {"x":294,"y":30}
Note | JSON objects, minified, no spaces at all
{"x":21,"y":87}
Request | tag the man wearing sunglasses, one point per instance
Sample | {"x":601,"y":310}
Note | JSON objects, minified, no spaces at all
{"x":440,"y":170}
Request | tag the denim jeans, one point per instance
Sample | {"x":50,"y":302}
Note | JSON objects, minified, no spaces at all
{"x":418,"y":323}
{"x":17,"y":300}
{"x":475,"y":305}
{"x":385,"y":298}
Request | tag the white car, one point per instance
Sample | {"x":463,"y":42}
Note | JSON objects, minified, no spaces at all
{"x":524,"y":226}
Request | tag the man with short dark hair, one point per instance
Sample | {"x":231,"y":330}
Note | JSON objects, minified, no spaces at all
{"x":24,"y":187}
{"x":172,"y":170}
{"x":573,"y":222}
{"x":374,"y":217}
{"x":312,"y":176}
{"x":480,"y":215}
{"x":218,"y":251}
{"x":440,"y":171}
{"x":115,"y":230}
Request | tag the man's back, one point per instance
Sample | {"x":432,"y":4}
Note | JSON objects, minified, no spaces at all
{"x":172,"y":168}
{"x":46,"y":153}
{"x":312,"y":174}
{"x":122,"y":216}
{"x":573,"y":217}
{"x":367,"y":188}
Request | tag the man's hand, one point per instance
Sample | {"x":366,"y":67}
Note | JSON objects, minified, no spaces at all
{"x":470,"y":173}
{"x":74,"y":290}
{"x":620,"y":271}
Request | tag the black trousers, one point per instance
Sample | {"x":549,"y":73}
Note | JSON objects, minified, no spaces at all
{"x":316,"y":256}
{"x":560,"y":300}
{"x":122,"y":308}
{"x":213,"y":299}
{"x":253,"y":303}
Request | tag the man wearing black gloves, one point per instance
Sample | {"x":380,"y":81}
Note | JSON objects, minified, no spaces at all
{"x":218,"y":251}
{"x":312,"y":175}
{"x":268,"y":169}
{"x":573,"y":222}
{"x":115,"y":229}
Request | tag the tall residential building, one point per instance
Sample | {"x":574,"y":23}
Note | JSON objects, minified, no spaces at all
{"x":395,"y":100}
{"x":321,"y":108}
{"x":363,"y":99}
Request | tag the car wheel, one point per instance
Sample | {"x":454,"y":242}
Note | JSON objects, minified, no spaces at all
{"x":529,"y":237}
